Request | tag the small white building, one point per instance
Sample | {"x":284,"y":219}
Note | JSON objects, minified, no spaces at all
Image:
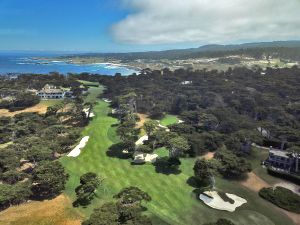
{"x":51,"y":92}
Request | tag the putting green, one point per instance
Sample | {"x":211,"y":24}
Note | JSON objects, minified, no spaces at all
{"x":169,"y":120}
{"x":173,"y":201}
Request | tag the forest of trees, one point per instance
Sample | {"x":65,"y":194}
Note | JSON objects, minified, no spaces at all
{"x":28,"y":164}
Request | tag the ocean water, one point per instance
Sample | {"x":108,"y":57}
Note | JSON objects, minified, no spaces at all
{"x":30,"y":63}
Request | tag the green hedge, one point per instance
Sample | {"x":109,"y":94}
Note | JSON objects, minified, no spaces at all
{"x":282,"y":197}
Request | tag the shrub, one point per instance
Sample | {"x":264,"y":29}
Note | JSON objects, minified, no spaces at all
{"x":282,"y":197}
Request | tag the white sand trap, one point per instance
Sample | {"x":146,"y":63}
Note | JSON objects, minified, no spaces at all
{"x":86,"y":111}
{"x":212,"y":199}
{"x":76,"y":151}
{"x":180,"y":121}
{"x":107,"y":100}
{"x":151,"y":158}
{"x":142,"y":158}
{"x":141,"y":140}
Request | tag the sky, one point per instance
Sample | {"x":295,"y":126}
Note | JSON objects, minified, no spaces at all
{"x":143,"y":25}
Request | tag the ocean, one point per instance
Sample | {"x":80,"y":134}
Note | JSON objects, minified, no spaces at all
{"x":16,"y":63}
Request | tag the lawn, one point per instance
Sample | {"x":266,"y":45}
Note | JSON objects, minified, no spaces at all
{"x":173,"y":201}
{"x":169,"y":120}
{"x":88,"y":83}
{"x":93,"y":94}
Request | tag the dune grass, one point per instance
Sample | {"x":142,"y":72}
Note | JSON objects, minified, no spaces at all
{"x":173,"y":200}
{"x":169,"y":120}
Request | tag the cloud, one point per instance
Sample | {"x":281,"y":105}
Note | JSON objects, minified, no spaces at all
{"x":208,"y":21}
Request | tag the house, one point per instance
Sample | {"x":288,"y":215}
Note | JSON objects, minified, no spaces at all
{"x":51,"y":92}
{"x":283,"y":160}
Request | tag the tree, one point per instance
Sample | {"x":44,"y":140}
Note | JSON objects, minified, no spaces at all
{"x":132,"y":195}
{"x":39,"y":153}
{"x":150,"y":126}
{"x":12,"y":177}
{"x":86,"y":191}
{"x":144,"y":149}
{"x":49,"y":180}
{"x":232,"y":165}
{"x":105,"y":215}
{"x":14,"y":194}
{"x":116,"y":214}
{"x":177,"y":146}
{"x":202,"y":172}
{"x":127,"y":210}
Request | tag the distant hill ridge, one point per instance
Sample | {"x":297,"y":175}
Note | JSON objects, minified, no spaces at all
{"x":286,"y":49}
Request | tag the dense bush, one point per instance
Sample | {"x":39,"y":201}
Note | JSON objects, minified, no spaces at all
{"x":282,"y":197}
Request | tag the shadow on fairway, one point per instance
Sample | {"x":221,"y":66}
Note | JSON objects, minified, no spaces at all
{"x":166,"y":166}
{"x":116,"y":151}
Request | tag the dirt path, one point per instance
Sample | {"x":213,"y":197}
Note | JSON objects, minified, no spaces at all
{"x":254,"y":182}
{"x":143,"y":119}
{"x":58,"y":211}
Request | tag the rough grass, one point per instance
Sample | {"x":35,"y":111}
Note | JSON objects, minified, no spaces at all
{"x":39,"y":108}
{"x":173,"y":200}
{"x":51,"y":212}
{"x":169,"y":120}
{"x":2,"y":146}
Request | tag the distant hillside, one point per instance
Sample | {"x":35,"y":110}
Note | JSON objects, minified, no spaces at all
{"x":284,"y":49}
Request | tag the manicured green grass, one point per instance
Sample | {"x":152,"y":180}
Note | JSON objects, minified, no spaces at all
{"x":169,"y":120}
{"x":88,"y":83}
{"x":93,"y":94}
{"x":173,"y":200}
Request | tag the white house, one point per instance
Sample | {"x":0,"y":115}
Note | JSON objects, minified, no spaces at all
{"x":51,"y":92}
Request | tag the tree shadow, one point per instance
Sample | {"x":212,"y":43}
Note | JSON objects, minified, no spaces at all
{"x":81,"y":202}
{"x":196,"y":183}
{"x":167,"y":166}
{"x":193,"y":182}
{"x":116,"y":151}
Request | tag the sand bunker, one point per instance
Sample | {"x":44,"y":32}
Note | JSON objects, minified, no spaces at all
{"x":141,"y":140}
{"x":213,"y":200}
{"x":86,"y":111}
{"x":107,"y":100}
{"x":142,"y":158}
{"x":76,"y":151}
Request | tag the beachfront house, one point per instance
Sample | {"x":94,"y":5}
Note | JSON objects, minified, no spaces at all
{"x":51,"y":92}
{"x":283,"y":160}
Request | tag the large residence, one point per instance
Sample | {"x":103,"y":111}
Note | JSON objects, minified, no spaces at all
{"x":283,"y":160}
{"x":51,"y":92}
